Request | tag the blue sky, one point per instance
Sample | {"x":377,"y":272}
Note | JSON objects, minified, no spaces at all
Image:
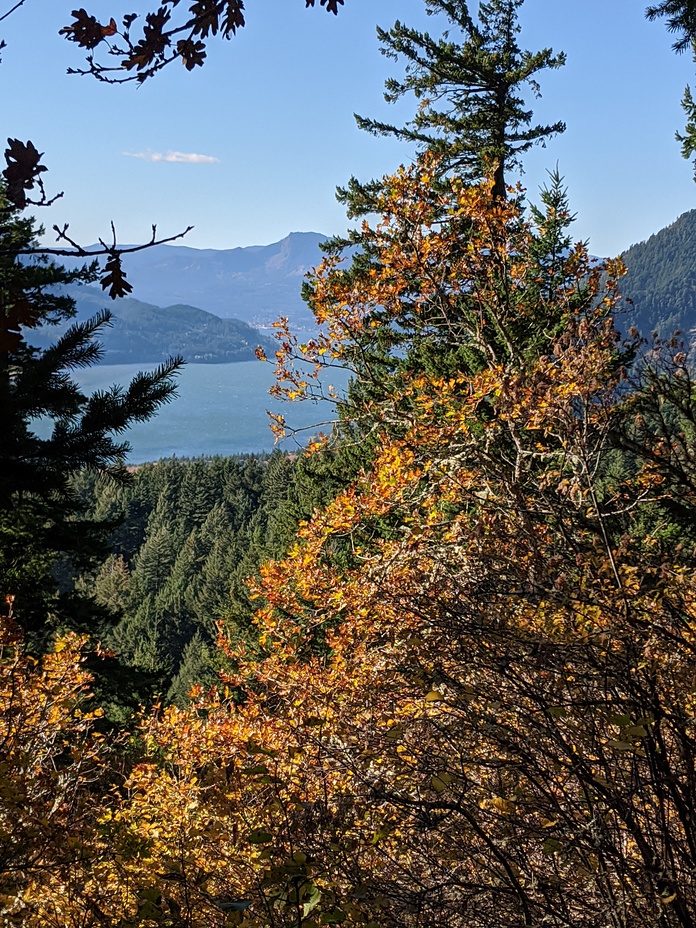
{"x":270,"y":116}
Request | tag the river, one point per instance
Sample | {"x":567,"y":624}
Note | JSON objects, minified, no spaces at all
{"x":220,"y":409}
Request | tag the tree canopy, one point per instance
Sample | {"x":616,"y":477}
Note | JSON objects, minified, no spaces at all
{"x":468,"y":693}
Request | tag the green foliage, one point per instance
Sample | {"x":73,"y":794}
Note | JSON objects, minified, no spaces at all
{"x":681,"y":20}
{"x":468,"y":86}
{"x":688,"y":139}
{"x":661,"y":279}
{"x":185,"y":535}
{"x":45,"y":542}
{"x":195,"y":669}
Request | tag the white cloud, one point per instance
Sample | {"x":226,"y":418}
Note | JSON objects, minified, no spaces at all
{"x":176,"y":157}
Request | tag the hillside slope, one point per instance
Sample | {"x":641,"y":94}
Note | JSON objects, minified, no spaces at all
{"x":661,"y":279}
{"x":144,"y":334}
{"x":256,"y":284}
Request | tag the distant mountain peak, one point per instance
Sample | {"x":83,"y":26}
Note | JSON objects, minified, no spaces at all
{"x":257,"y":283}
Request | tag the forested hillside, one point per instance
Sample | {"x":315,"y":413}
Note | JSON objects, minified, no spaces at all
{"x":257,"y":284}
{"x":144,"y":334}
{"x":661,"y":279}
{"x":184,"y":538}
{"x":438,"y":670}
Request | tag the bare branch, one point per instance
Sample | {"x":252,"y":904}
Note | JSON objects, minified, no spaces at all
{"x":12,"y":9}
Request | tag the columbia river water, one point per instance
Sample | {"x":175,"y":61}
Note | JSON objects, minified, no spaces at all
{"x":220,"y":409}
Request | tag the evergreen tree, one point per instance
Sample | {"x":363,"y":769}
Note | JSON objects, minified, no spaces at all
{"x":681,"y":20}
{"x":111,"y":585}
{"x":197,"y":493}
{"x":196,"y":667}
{"x":469,"y":86}
{"x":155,"y":561}
{"x":471,"y":125}
{"x":44,"y":539}
{"x":422,"y":327}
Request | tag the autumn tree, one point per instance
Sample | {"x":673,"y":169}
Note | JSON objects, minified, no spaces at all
{"x":471,"y":124}
{"x":517,"y":639}
{"x":165,"y":37}
{"x":502,"y":587}
{"x":471,"y":698}
{"x":54,"y":766}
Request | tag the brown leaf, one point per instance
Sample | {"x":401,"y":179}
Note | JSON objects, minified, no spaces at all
{"x":22,"y":171}
{"x":234,"y":17}
{"x":331,"y":5}
{"x":191,"y":53}
{"x":206,"y":18}
{"x":114,"y":280}
{"x":155,"y":39}
{"x":85,"y":29}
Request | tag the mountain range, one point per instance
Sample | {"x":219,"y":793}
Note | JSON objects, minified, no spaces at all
{"x":215,"y":300}
{"x":259,"y":283}
{"x":256,"y":284}
{"x":142,"y":333}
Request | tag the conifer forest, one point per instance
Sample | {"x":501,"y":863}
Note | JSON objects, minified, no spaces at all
{"x":435,"y":670}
